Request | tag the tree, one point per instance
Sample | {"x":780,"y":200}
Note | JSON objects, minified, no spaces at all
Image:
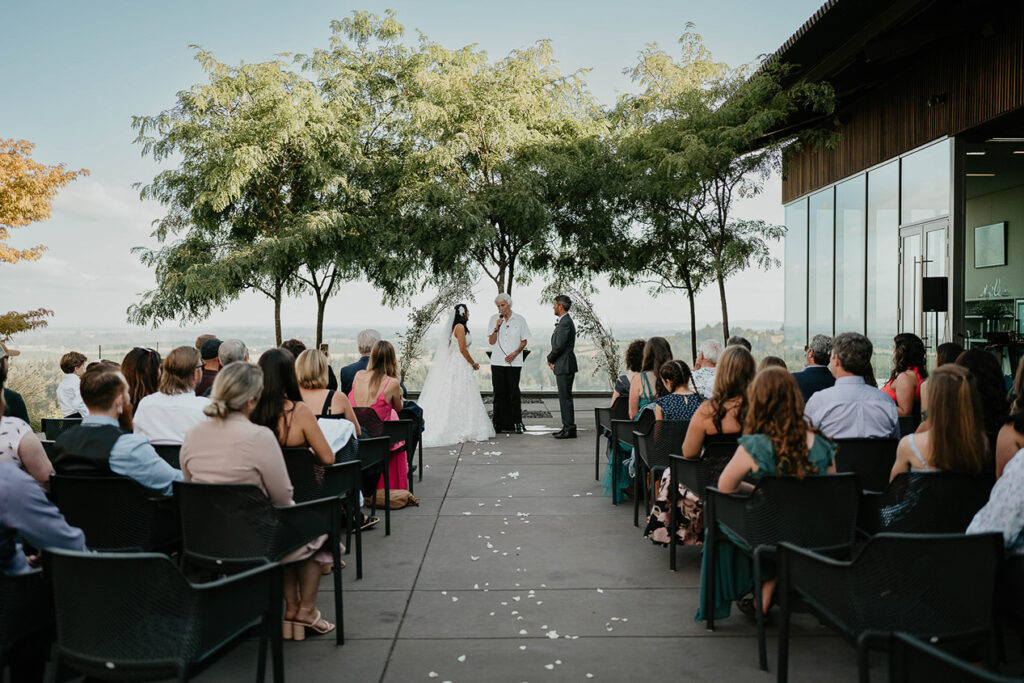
{"x":27,"y":189}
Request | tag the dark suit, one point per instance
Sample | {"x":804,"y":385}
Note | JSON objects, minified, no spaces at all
{"x":813,"y":378}
{"x":563,"y":356}
{"x":348,"y":373}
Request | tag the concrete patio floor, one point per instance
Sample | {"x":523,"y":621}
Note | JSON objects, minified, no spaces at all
{"x":515,"y":568}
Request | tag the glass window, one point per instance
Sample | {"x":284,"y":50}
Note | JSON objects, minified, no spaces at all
{"x":883,"y":262}
{"x":795,"y":325}
{"x":820,"y":241}
{"x":925,"y":183}
{"x":850,"y":211}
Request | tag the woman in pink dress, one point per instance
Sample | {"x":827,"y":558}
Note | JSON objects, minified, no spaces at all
{"x":378,"y":389}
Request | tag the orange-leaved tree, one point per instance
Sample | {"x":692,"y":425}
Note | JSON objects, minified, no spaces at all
{"x":27,"y":189}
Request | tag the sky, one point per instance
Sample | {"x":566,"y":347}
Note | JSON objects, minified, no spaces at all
{"x":77,"y":72}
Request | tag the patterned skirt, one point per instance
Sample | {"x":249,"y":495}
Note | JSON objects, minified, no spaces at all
{"x":690,"y":515}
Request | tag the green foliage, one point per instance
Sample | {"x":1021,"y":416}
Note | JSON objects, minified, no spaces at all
{"x":12,"y":322}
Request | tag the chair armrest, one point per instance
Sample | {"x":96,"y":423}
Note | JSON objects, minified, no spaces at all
{"x":338,"y":478}
{"x":622,"y":430}
{"x":237,"y":602}
{"x":373,"y":451}
{"x":306,"y":521}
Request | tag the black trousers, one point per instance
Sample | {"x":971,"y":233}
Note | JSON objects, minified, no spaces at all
{"x":565,"y":403}
{"x":508,"y":402}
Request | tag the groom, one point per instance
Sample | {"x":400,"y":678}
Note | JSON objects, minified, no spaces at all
{"x":562,"y":361}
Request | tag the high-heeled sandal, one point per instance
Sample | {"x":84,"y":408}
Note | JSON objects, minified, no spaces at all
{"x":296,"y":630}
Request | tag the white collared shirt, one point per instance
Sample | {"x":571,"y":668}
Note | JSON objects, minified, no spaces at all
{"x":69,"y":396}
{"x":164,"y":418}
{"x":511,"y":334}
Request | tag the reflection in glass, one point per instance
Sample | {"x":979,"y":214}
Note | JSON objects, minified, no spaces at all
{"x":850,"y":211}
{"x":925,"y":183}
{"x":821,"y":228}
{"x":883,"y":262}
{"x":795,"y":325}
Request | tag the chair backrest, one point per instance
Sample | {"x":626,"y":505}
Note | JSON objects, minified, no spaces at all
{"x":814,"y":512}
{"x":369,"y":421}
{"x":664,"y":439}
{"x":911,"y":660}
{"x":398,"y":431}
{"x":50,"y":447}
{"x":229,"y":526}
{"x":1011,"y":588}
{"x":926,"y":502}
{"x":115,"y":513}
{"x":870,"y":459}
{"x":908,"y":424}
{"x":171,"y":454}
{"x":620,"y":408}
{"x":54,"y":426}
{"x":373,"y":451}
{"x":312,"y":480}
{"x":26,"y":607}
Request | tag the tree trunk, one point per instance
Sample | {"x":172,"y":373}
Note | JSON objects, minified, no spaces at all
{"x":278,"y":286}
{"x":511,"y":276}
{"x":725,"y":306}
{"x":321,"y":305}
{"x":693,"y":324}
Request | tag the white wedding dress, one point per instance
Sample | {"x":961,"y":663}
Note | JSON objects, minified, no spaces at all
{"x":453,"y":411}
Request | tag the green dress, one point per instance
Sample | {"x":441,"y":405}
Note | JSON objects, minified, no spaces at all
{"x":735,"y":571}
{"x":617,"y":458}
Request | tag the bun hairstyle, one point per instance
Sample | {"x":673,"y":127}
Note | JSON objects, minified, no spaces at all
{"x":461,"y":315}
{"x":676,"y":372}
{"x":234,"y":386}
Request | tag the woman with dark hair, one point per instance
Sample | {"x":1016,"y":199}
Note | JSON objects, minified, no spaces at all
{"x":947,"y":353}
{"x":776,"y":441}
{"x":281,"y":409}
{"x":634,"y":361}
{"x":682,"y":399}
{"x":724,"y":412}
{"x":646,"y":385}
{"x":909,"y":371}
{"x":771,"y":362}
{"x":1011,"y":436}
{"x":988,"y":376}
{"x":141,"y":368}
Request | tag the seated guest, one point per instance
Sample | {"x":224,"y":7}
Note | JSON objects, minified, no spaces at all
{"x":15,"y":404}
{"x":297,"y":347}
{"x":1010,"y":441}
{"x":311,"y":372}
{"x":776,"y":441}
{"x":771,"y":362}
{"x":103,"y":444}
{"x":211,"y":364}
{"x":852,"y":409}
{"x":815,"y":376}
{"x":955,"y":439}
{"x":634,"y":361}
{"x":704,"y":367}
{"x":909,"y":371}
{"x":69,"y":400}
{"x":364,"y":341}
{"x":947,"y":353}
{"x":19,"y":445}
{"x":230,"y":351}
{"x":988,"y":376}
{"x":723,"y":413}
{"x":202,"y":339}
{"x":165,"y":416}
{"x":738,"y":341}
{"x":1004,"y":511}
{"x":230,"y":449}
{"x":141,"y":369}
{"x":280,"y":407}
{"x":681,"y":400}
{"x":378,"y":389}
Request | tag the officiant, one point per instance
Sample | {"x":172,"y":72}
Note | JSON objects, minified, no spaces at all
{"x":508,"y":338}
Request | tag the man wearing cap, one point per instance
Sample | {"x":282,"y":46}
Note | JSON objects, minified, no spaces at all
{"x":209,"y":351}
{"x":14,"y":404}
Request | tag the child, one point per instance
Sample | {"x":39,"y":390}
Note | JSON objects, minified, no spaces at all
{"x":69,"y":395}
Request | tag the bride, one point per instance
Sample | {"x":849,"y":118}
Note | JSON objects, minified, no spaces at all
{"x":453,"y":411}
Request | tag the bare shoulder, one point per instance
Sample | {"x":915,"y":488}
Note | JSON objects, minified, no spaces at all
{"x":459,"y":330}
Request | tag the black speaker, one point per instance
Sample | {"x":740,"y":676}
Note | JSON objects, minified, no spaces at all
{"x":935,"y":294}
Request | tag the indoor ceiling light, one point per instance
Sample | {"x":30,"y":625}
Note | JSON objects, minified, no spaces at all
{"x":1005,"y":140}
{"x":980,"y":175}
{"x":1018,"y":151}
{"x":976,"y":154}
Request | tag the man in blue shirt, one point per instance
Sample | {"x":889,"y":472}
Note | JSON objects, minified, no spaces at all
{"x":815,"y":376}
{"x":101,"y":446}
{"x":852,"y":409}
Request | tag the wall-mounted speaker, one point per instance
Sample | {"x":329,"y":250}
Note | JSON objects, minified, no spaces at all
{"x":935,"y":294}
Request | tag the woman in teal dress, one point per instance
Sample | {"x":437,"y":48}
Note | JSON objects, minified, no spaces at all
{"x":776,"y":441}
{"x":645,"y":388}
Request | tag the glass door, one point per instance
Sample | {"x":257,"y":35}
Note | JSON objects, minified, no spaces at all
{"x":924,"y":252}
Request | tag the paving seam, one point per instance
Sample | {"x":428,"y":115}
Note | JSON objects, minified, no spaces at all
{"x":408,"y":600}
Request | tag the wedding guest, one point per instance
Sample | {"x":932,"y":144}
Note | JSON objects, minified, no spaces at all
{"x":232,"y":350}
{"x":988,"y":376}
{"x":103,"y":444}
{"x":947,"y":353}
{"x":364,"y":342}
{"x":202,"y":339}
{"x":19,"y":444}
{"x":69,"y":398}
{"x":311,"y":372}
{"x":165,"y":417}
{"x":815,"y":376}
{"x":954,"y":440}
{"x":211,"y":365}
{"x":508,"y":339}
{"x":297,"y":347}
{"x":739,"y":341}
{"x":724,"y":412}
{"x":646,"y":385}
{"x":141,"y":369}
{"x":1010,"y":441}
{"x":704,"y":367}
{"x":681,"y":399}
{"x":1004,"y":511}
{"x":377,"y":388}
{"x":634,"y":361}
{"x":228,"y":448}
{"x":15,"y":404}
{"x":776,"y":441}
{"x":771,"y":362}
{"x":909,"y":371}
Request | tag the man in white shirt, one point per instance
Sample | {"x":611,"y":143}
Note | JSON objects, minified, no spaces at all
{"x":69,"y":394}
{"x":165,"y":416}
{"x":704,"y":367}
{"x":508,"y":337}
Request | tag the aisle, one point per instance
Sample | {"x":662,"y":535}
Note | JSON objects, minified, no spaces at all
{"x":515,"y":568}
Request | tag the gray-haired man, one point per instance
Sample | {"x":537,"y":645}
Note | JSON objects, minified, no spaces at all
{"x":508,"y":338}
{"x":815,"y":376}
{"x":365,"y":342}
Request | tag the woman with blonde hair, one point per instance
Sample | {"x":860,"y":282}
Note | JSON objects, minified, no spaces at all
{"x":376,"y":391}
{"x":954,"y":440}
{"x":229,"y":449}
{"x":311,"y":370}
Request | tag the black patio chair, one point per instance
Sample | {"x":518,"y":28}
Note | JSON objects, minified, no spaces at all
{"x":402,"y":430}
{"x":374,"y":457}
{"x":652,"y":452}
{"x":814,"y":512}
{"x":1010,"y":589}
{"x":50,"y":447}
{"x":603,"y":417}
{"x":26,"y":611}
{"x":55,"y":426}
{"x":136,"y":617}
{"x":911,"y":660}
{"x":313,"y":481}
{"x":417,"y":443}
{"x":227,"y":528}
{"x":626,"y":431}
{"x":937,"y":586}
{"x":117,"y":513}
{"x":870,"y":459}
{"x":909,"y":424}
{"x":925,"y":502}
{"x":696,"y":474}
{"x":170,"y":453}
